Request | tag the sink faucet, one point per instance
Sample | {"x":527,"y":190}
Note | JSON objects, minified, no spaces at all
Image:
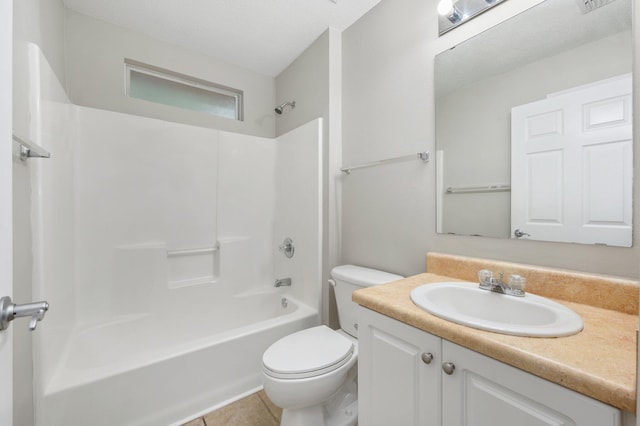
{"x":498,"y":285}
{"x":515,"y":287}
{"x":283,"y":282}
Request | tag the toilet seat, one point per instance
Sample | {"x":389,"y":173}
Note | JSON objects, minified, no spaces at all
{"x":307,"y":353}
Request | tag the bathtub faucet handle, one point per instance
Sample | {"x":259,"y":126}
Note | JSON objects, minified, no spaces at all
{"x":287,"y":247}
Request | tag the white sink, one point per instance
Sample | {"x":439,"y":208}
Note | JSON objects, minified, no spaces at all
{"x":467,"y":304}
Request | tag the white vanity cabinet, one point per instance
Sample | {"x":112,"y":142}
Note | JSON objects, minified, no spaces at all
{"x":483,"y":391}
{"x":396,"y":387}
{"x":399,"y":375}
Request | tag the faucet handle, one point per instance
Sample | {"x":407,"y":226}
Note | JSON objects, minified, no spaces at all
{"x":287,"y":247}
{"x":485,"y":276}
{"x":517,"y":284}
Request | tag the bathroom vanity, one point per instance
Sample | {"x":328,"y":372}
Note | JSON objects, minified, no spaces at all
{"x":418,"y":369}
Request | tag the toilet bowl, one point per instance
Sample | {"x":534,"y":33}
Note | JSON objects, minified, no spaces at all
{"x":312,"y":374}
{"x":309,"y":367}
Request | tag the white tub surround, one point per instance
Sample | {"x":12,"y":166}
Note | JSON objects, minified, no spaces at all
{"x":156,"y":245}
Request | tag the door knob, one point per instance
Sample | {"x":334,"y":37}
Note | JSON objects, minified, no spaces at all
{"x":519,"y":234}
{"x":10,"y":311}
{"x":427,"y":357}
{"x":448,"y":367}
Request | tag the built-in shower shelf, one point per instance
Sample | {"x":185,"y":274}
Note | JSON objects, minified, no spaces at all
{"x":188,"y":252}
{"x":210,"y":279}
{"x":192,"y":266}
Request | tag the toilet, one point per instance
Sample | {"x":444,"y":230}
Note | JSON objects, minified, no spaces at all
{"x":312,"y":374}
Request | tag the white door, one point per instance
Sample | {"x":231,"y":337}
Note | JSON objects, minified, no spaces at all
{"x":6,"y":343}
{"x":572,"y":165}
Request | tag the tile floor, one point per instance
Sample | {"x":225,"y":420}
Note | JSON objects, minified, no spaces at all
{"x":254,"y":410}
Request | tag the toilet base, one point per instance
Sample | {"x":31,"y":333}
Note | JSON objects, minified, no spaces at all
{"x":340,"y":410}
{"x":307,"y":416}
{"x":317,"y":416}
{"x":347,"y":416}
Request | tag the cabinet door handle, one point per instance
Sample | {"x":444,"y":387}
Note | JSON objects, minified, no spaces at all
{"x":448,"y":367}
{"x":427,"y":357}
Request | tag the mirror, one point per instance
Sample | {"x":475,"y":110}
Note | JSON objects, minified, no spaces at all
{"x":534,"y":127}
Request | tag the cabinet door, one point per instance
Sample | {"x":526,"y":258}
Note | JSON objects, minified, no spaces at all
{"x":395,"y":385}
{"x":482,"y":391}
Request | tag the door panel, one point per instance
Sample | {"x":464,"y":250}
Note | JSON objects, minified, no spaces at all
{"x":546,"y":189}
{"x":605,"y":177}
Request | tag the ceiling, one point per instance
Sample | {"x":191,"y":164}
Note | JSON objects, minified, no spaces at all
{"x":264,"y":36}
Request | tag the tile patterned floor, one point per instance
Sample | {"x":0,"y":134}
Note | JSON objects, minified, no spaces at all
{"x":254,"y":410}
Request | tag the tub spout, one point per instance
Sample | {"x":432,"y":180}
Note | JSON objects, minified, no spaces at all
{"x":283,"y":282}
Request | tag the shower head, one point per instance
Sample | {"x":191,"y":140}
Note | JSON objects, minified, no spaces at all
{"x":280,"y":108}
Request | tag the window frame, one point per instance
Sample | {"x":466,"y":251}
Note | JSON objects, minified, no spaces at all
{"x":139,"y":67}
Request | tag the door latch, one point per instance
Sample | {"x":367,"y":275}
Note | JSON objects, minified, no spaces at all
{"x":10,"y":311}
{"x":519,"y":233}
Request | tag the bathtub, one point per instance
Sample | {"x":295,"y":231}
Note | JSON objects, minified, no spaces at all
{"x":164,"y":369}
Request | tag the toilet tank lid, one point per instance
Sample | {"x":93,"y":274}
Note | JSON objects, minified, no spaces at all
{"x":362,"y":276}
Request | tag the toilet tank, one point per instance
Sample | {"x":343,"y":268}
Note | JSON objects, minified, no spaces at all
{"x":349,"y":278}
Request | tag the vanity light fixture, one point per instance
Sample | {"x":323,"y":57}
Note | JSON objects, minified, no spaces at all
{"x":457,"y":12}
{"x":587,"y":6}
{"x":449,"y":10}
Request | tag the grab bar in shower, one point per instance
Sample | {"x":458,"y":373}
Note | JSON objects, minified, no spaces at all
{"x":30,"y":149}
{"x":188,"y":252}
{"x":424,"y":156}
{"x":505,"y":187}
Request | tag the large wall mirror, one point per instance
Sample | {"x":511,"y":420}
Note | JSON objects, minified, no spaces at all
{"x":534,"y":127}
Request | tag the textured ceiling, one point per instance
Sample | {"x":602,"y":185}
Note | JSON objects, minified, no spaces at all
{"x":521,"y":40}
{"x":261,"y":35}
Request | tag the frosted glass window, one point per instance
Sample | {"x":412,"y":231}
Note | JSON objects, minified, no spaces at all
{"x":168,"y":88}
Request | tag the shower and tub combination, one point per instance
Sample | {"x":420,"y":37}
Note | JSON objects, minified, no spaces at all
{"x":156,"y":245}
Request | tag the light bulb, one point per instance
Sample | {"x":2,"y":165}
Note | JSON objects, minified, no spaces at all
{"x":445,"y":7}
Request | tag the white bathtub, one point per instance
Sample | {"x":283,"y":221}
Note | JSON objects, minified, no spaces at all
{"x":162,"y":369}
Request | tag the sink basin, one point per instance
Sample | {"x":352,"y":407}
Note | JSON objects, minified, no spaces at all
{"x":467,"y":304}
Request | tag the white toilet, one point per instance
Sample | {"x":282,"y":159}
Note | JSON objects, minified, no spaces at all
{"x":312,"y":374}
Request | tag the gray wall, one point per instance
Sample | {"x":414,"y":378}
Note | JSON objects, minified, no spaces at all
{"x":389,"y":211}
{"x":306,"y":81}
{"x":95,"y":73}
{"x":42,"y":22}
{"x":313,"y":80}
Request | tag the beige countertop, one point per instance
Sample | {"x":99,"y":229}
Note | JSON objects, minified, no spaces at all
{"x":599,"y":362}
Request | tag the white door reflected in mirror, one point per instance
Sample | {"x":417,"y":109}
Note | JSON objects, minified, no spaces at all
{"x":572,"y":165}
